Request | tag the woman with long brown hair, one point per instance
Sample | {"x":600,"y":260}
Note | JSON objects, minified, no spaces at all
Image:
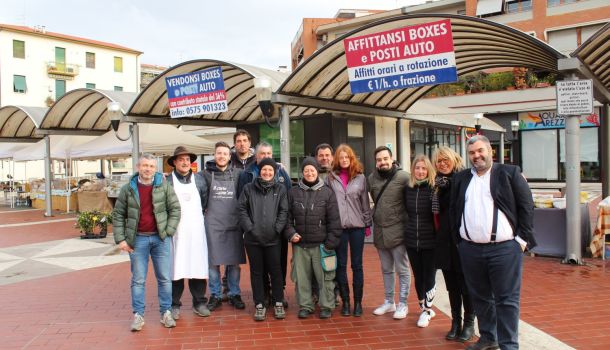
{"x":349,"y":184}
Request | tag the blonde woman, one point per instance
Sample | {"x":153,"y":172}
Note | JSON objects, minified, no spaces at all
{"x":420,"y":236}
{"x":447,"y":162}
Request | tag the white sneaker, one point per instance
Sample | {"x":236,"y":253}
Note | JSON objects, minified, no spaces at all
{"x":167,"y":320}
{"x":425,"y":317}
{"x":386,"y":307}
{"x":401,"y":311}
{"x":138,"y":322}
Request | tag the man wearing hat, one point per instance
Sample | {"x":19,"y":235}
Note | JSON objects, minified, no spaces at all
{"x":189,"y":246}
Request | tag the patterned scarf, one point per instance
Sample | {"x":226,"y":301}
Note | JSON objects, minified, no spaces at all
{"x":441,"y":183}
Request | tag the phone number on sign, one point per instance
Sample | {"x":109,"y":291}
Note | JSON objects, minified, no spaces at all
{"x":212,"y":107}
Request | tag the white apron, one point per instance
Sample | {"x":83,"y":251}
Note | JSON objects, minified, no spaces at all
{"x":189,"y":246}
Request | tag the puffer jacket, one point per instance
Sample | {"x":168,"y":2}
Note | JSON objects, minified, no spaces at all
{"x":263,"y":213}
{"x":390,"y":213}
{"x":200,"y":183}
{"x":126,"y":213}
{"x":419,"y":231}
{"x":314,"y":215}
{"x":353,"y":201}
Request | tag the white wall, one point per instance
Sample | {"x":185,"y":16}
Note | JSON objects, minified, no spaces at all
{"x":385,"y":133}
{"x":39,"y":50}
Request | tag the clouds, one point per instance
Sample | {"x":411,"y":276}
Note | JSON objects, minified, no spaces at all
{"x":168,"y":32}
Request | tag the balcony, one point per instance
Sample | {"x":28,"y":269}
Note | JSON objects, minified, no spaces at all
{"x":62,"y":70}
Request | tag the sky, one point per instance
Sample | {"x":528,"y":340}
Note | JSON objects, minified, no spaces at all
{"x":254,"y":32}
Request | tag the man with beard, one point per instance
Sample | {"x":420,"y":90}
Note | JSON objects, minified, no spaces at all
{"x":189,"y":248}
{"x":492,"y":211}
{"x":324,"y":156}
{"x":387,"y":187}
{"x":224,"y":236}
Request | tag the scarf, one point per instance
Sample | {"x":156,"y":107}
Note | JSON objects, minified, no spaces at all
{"x":441,"y":183}
{"x":265,"y":184}
{"x":387,"y":174}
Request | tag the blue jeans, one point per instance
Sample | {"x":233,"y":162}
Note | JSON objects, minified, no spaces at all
{"x":233,"y":273}
{"x":159,"y":252}
{"x":354,"y":237}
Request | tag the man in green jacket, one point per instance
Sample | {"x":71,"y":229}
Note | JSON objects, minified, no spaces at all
{"x":145,"y":214}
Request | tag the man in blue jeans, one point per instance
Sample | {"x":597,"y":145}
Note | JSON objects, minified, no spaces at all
{"x":224,"y":236}
{"x":146,"y":213}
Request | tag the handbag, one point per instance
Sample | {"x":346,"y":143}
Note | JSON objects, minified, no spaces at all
{"x":328,"y":258}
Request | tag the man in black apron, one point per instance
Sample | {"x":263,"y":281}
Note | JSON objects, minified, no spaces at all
{"x":224,"y":236}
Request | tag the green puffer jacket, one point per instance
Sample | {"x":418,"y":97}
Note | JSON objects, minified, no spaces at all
{"x":126,"y":213}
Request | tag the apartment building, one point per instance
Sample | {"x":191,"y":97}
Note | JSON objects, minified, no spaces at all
{"x":37,"y":66}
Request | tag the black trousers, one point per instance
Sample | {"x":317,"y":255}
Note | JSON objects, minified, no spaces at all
{"x":458,"y":293}
{"x":493,"y":277}
{"x":197,"y":288}
{"x":263,"y":259}
{"x":424,"y":272}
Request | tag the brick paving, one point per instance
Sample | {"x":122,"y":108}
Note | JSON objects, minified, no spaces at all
{"x":90,"y":309}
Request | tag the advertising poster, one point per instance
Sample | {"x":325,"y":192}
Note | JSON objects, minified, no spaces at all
{"x":197,"y":93}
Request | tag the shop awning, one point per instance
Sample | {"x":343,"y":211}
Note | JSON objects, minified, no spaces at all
{"x":151,"y":105}
{"x":60,"y":148}
{"x":322,"y":80}
{"x":595,"y":55}
{"x":83,"y":112}
{"x":18,"y":123}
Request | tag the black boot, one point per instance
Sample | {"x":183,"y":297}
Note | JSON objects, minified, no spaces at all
{"x":468,"y":328}
{"x":358,"y":300}
{"x":344,"y":292}
{"x":455,"y":300}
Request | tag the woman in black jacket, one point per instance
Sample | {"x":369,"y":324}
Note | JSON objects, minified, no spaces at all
{"x":447,"y":163}
{"x":313,"y":224}
{"x":263,"y":211}
{"x":420,"y":237}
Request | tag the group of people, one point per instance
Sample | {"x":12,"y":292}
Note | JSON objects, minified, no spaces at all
{"x":438,"y":216}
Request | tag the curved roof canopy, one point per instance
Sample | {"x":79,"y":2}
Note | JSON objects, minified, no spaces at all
{"x":595,"y":55}
{"x":83,"y":112}
{"x":322,"y":80}
{"x":19,"y":124}
{"x":151,"y":105}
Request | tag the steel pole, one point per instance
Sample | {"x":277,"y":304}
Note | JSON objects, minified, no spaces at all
{"x":400,"y":134}
{"x":572,"y":149}
{"x":135,"y":141}
{"x":501,"y":149}
{"x":285,"y":138}
{"x":47,"y":177}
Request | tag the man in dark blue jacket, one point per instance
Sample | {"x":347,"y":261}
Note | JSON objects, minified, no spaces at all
{"x":492,"y":211}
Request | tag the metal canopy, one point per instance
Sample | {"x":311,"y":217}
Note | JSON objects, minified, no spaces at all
{"x":151,"y":105}
{"x":19,"y":124}
{"x":322,"y":80}
{"x":594,"y":55}
{"x":83,"y":112}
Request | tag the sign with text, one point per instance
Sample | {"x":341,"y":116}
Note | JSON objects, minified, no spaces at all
{"x":197,"y":93}
{"x":574,"y":97}
{"x":552,"y":120}
{"x":401,"y":58}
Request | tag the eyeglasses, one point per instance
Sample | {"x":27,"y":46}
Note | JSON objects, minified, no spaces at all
{"x":443,"y":160}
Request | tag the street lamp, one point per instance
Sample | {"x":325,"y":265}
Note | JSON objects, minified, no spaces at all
{"x":514,"y":126}
{"x":115,"y":114}
{"x":477,"y":125}
{"x":262,"y":88}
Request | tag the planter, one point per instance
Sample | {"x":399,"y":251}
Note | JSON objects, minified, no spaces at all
{"x":93,"y":235}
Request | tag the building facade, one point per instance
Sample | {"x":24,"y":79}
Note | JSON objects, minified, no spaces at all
{"x":37,"y":66}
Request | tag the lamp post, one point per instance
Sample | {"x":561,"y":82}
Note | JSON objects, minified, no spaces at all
{"x":477,"y":125}
{"x":115,"y":113}
{"x":514,"y":126}
{"x":262,"y":87}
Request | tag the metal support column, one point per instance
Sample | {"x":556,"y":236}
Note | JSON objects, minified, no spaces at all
{"x":572,"y":149}
{"x":400,"y":129}
{"x":47,"y":178}
{"x":501,"y":149}
{"x":135,"y":141}
{"x":285,"y":138}
{"x":463,"y":152}
{"x":605,"y":151}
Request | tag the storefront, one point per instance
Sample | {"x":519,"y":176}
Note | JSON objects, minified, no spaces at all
{"x":542,"y":141}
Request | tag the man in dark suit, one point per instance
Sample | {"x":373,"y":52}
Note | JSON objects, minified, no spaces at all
{"x":492,"y":212}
